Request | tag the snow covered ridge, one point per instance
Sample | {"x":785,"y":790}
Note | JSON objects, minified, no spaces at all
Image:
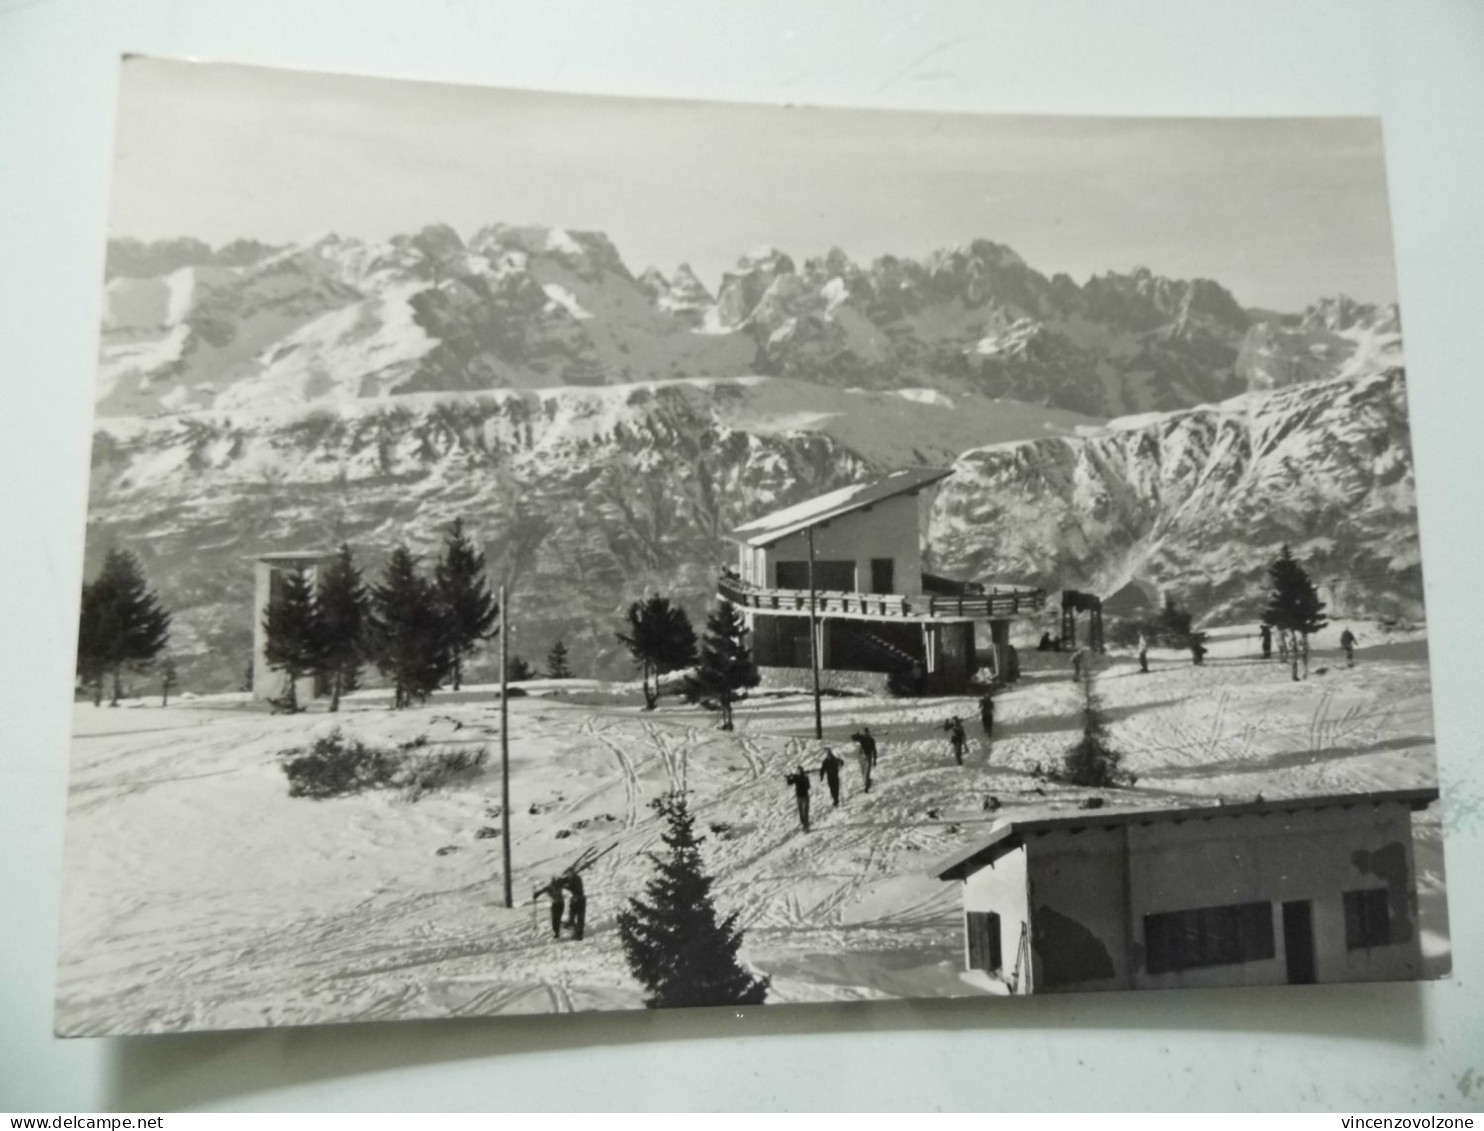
{"x":602,"y":493}
{"x":1197,"y":500}
{"x":335,"y":319}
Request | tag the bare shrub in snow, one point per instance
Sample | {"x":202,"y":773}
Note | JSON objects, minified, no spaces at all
{"x":334,"y":766}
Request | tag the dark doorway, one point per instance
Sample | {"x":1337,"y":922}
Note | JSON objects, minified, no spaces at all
{"x":1298,"y":941}
{"x":883,"y":575}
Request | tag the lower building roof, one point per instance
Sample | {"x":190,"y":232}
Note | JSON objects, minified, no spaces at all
{"x":1011,"y":833}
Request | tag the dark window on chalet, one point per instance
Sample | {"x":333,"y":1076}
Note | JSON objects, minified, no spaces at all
{"x":835,"y":576}
{"x":984,"y":941}
{"x":1208,"y":936}
{"x":1367,"y":919}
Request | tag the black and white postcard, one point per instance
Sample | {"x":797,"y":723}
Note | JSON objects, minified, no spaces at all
{"x":551,"y":553}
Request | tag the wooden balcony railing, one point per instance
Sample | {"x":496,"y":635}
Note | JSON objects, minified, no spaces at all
{"x":994,"y":603}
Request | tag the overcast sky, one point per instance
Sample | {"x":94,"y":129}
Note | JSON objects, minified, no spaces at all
{"x":1281,"y":211}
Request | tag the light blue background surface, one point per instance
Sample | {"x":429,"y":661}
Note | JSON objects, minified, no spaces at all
{"x":1420,"y":65}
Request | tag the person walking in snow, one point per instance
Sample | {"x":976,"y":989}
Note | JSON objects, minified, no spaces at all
{"x":829,"y":772}
{"x":1197,"y":651}
{"x":1348,"y":642}
{"x":1079,"y":662}
{"x":577,"y":904}
{"x":1143,"y":654}
{"x":986,"y":715}
{"x":800,"y":781}
{"x":956,"y":738}
{"x":1266,"y":632}
{"x":865,"y":743}
{"x":553,"y":891}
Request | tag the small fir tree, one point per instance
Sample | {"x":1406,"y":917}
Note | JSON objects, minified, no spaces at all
{"x":672,"y":940}
{"x":168,"y":679}
{"x":556,"y":662}
{"x":343,"y":601}
{"x":121,"y":623}
{"x":468,"y":607}
{"x":1293,"y":606}
{"x":661,"y":640}
{"x":518,"y":671}
{"x":405,"y":633}
{"x":1093,"y":761}
{"x":725,"y":667}
{"x":293,"y":642}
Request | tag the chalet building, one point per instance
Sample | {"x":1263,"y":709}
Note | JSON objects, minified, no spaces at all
{"x":1312,"y":889}
{"x":269,"y":571}
{"x":850,"y":563}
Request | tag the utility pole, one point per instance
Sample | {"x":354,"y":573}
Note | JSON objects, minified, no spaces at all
{"x":814,"y":658}
{"x":505,"y":744}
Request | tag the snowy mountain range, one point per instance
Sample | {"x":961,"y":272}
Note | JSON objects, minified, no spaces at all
{"x":334,"y":319}
{"x":1195,"y":502}
{"x":599,"y":432}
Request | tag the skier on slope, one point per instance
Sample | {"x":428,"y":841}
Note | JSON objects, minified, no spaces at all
{"x":1348,"y":642}
{"x":799,"y":779}
{"x":865,"y":743}
{"x":986,"y":715}
{"x":829,"y":772}
{"x":577,"y":904}
{"x":558,"y":904}
{"x":956,"y":738}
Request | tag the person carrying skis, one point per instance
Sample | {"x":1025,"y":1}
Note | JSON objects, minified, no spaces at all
{"x":986,"y":715}
{"x":865,"y":743}
{"x":558,"y":904}
{"x":829,"y":773}
{"x":577,"y":904}
{"x":956,"y":738}
{"x":800,"y":781}
{"x":1266,"y":633}
{"x":1348,"y":642}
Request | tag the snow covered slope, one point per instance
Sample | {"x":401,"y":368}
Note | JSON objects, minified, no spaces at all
{"x":1198,"y":501}
{"x":1338,"y":337}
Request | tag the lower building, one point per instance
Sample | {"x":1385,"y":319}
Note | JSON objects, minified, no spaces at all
{"x":1310,"y":889}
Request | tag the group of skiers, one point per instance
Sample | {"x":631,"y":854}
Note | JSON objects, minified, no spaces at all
{"x":866,"y":755}
{"x":569,"y":900}
{"x":1348,"y":641}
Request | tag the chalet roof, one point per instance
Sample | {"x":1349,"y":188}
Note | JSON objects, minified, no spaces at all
{"x":1011,"y":833}
{"x":769,"y":528}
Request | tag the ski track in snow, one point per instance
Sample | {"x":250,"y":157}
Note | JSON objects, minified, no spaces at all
{"x":201,"y":896}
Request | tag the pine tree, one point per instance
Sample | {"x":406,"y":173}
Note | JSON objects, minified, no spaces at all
{"x":556,"y":662}
{"x":1293,"y":606}
{"x":1093,"y":761}
{"x":672,"y":942}
{"x":91,"y":660}
{"x":343,"y":602}
{"x":660,"y":639}
{"x":405,"y":634}
{"x":168,"y":679}
{"x":518,"y":671}
{"x":468,"y":607}
{"x":725,"y":666}
{"x":293,"y":642}
{"x":121,"y":623}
